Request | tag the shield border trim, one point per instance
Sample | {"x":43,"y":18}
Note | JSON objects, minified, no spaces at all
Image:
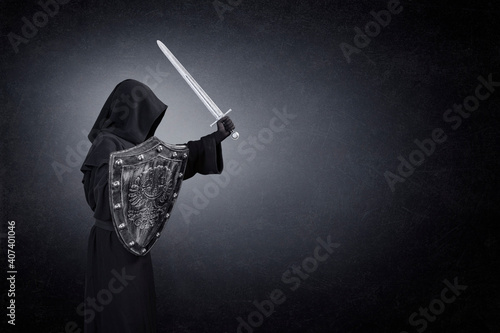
{"x":145,"y":151}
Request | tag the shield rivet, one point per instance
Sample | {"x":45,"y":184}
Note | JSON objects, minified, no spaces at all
{"x":121,"y":226}
{"x":160,"y":148}
{"x":174,"y":154}
{"x":143,"y":250}
{"x":118,"y":162}
{"x":140,"y":157}
{"x":116,"y":183}
{"x":118,"y":206}
{"x":175,"y":195}
{"x":131,"y":243}
{"x":157,"y":234}
{"x":181,"y":175}
{"x":184,"y":155}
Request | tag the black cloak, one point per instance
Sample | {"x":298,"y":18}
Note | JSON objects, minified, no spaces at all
{"x":119,"y":286}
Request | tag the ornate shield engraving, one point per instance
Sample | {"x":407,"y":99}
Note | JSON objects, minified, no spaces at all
{"x":143,"y":184}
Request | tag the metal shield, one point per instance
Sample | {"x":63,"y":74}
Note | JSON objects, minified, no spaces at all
{"x":143,"y":184}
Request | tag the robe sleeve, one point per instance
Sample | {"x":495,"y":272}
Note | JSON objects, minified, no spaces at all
{"x":205,"y":157}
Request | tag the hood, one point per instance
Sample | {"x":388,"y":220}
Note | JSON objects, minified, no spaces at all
{"x":131,"y":112}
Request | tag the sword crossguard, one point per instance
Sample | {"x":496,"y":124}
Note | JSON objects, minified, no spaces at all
{"x":234,"y":135}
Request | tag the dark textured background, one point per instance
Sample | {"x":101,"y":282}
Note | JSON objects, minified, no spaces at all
{"x":322,"y":175}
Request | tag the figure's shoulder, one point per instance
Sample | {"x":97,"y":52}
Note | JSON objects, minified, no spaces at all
{"x":102,"y":147}
{"x":109,"y":141}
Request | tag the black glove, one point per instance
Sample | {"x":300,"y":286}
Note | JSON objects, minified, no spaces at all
{"x":224,"y":127}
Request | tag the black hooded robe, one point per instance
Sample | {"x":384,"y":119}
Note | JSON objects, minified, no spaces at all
{"x":119,"y":286}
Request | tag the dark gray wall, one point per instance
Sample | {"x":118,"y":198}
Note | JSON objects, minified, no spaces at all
{"x":321,"y":173}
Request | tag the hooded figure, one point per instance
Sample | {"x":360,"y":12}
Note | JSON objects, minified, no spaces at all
{"x":119,"y":286}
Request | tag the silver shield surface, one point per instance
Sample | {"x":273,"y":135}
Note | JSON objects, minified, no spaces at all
{"x":143,"y":184}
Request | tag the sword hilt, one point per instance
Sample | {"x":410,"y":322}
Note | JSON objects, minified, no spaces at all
{"x":234,"y":135}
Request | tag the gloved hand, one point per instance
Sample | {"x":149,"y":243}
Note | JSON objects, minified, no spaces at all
{"x":224,"y":127}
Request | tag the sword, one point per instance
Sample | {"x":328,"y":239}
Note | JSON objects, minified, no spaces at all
{"x":202,"y":95}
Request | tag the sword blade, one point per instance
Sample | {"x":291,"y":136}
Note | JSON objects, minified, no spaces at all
{"x":202,"y":95}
